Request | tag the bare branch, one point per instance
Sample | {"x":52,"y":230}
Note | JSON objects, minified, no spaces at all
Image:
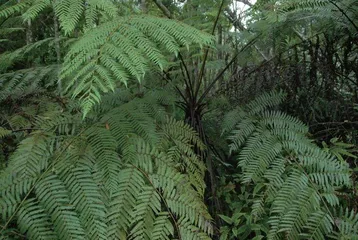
{"x":163,"y":8}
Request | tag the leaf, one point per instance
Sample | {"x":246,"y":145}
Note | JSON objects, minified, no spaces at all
{"x":226,"y":219}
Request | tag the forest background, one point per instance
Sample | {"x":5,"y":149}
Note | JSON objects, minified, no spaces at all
{"x":178,"y":119}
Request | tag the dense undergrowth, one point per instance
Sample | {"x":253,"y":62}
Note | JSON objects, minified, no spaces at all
{"x":178,"y":119}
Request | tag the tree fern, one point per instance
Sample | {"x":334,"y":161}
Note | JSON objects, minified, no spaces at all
{"x":120,"y":49}
{"x":106,"y":180}
{"x":299,"y":178}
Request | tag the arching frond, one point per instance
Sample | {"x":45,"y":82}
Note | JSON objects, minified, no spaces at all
{"x":25,"y":82}
{"x":116,"y":51}
{"x":113,"y":177}
{"x":299,"y":178}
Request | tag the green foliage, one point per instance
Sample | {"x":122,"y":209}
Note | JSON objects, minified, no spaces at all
{"x":115,"y":163}
{"x":121,"y":49}
{"x":242,"y":224}
{"x":19,"y":84}
{"x":339,"y":149}
{"x":69,"y":12}
{"x":126,"y":175}
{"x":347,"y":224}
{"x":4,"y":132}
{"x":296,"y":180}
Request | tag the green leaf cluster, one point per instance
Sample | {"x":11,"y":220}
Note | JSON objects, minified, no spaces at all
{"x":296,"y":182}
{"x":126,"y":174}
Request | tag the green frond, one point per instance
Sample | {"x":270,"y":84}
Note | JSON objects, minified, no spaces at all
{"x":37,"y":149}
{"x":8,"y":58}
{"x":182,"y":199}
{"x":289,"y":6}
{"x":265,"y":101}
{"x":123,"y":201}
{"x":4,"y":132}
{"x":12,"y":192}
{"x":347,"y":222}
{"x":35,"y":9}
{"x":54,"y":196}
{"x":34,"y":221}
{"x":319,"y":225}
{"x":59,"y":123}
{"x":25,"y":82}
{"x":125,"y":174}
{"x":121,"y":49}
{"x":95,"y":8}
{"x":86,"y":199}
{"x":13,"y":7}
{"x":147,"y":207}
{"x":162,"y":228}
{"x":299,"y":177}
{"x":231,"y":119}
{"x":69,"y":12}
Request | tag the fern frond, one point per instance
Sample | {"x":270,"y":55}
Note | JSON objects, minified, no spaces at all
{"x":25,"y":82}
{"x":118,"y":50}
{"x":147,"y":207}
{"x":162,"y":228}
{"x":125,"y":174}
{"x":37,"y":149}
{"x":347,"y":222}
{"x":86,"y":198}
{"x":299,"y":177}
{"x":35,"y":221}
{"x":4,"y":132}
{"x":265,"y":101}
{"x":52,"y":194}
{"x":289,"y":6}
{"x":8,"y":58}
{"x":123,"y":201}
{"x":35,"y":9}
{"x":13,"y":7}
{"x":12,"y":192}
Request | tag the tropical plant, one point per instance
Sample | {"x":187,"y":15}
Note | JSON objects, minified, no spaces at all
{"x":292,"y":182}
{"x":129,"y":172}
{"x":110,"y":115}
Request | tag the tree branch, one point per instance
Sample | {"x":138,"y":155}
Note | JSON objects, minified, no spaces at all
{"x":163,"y":8}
